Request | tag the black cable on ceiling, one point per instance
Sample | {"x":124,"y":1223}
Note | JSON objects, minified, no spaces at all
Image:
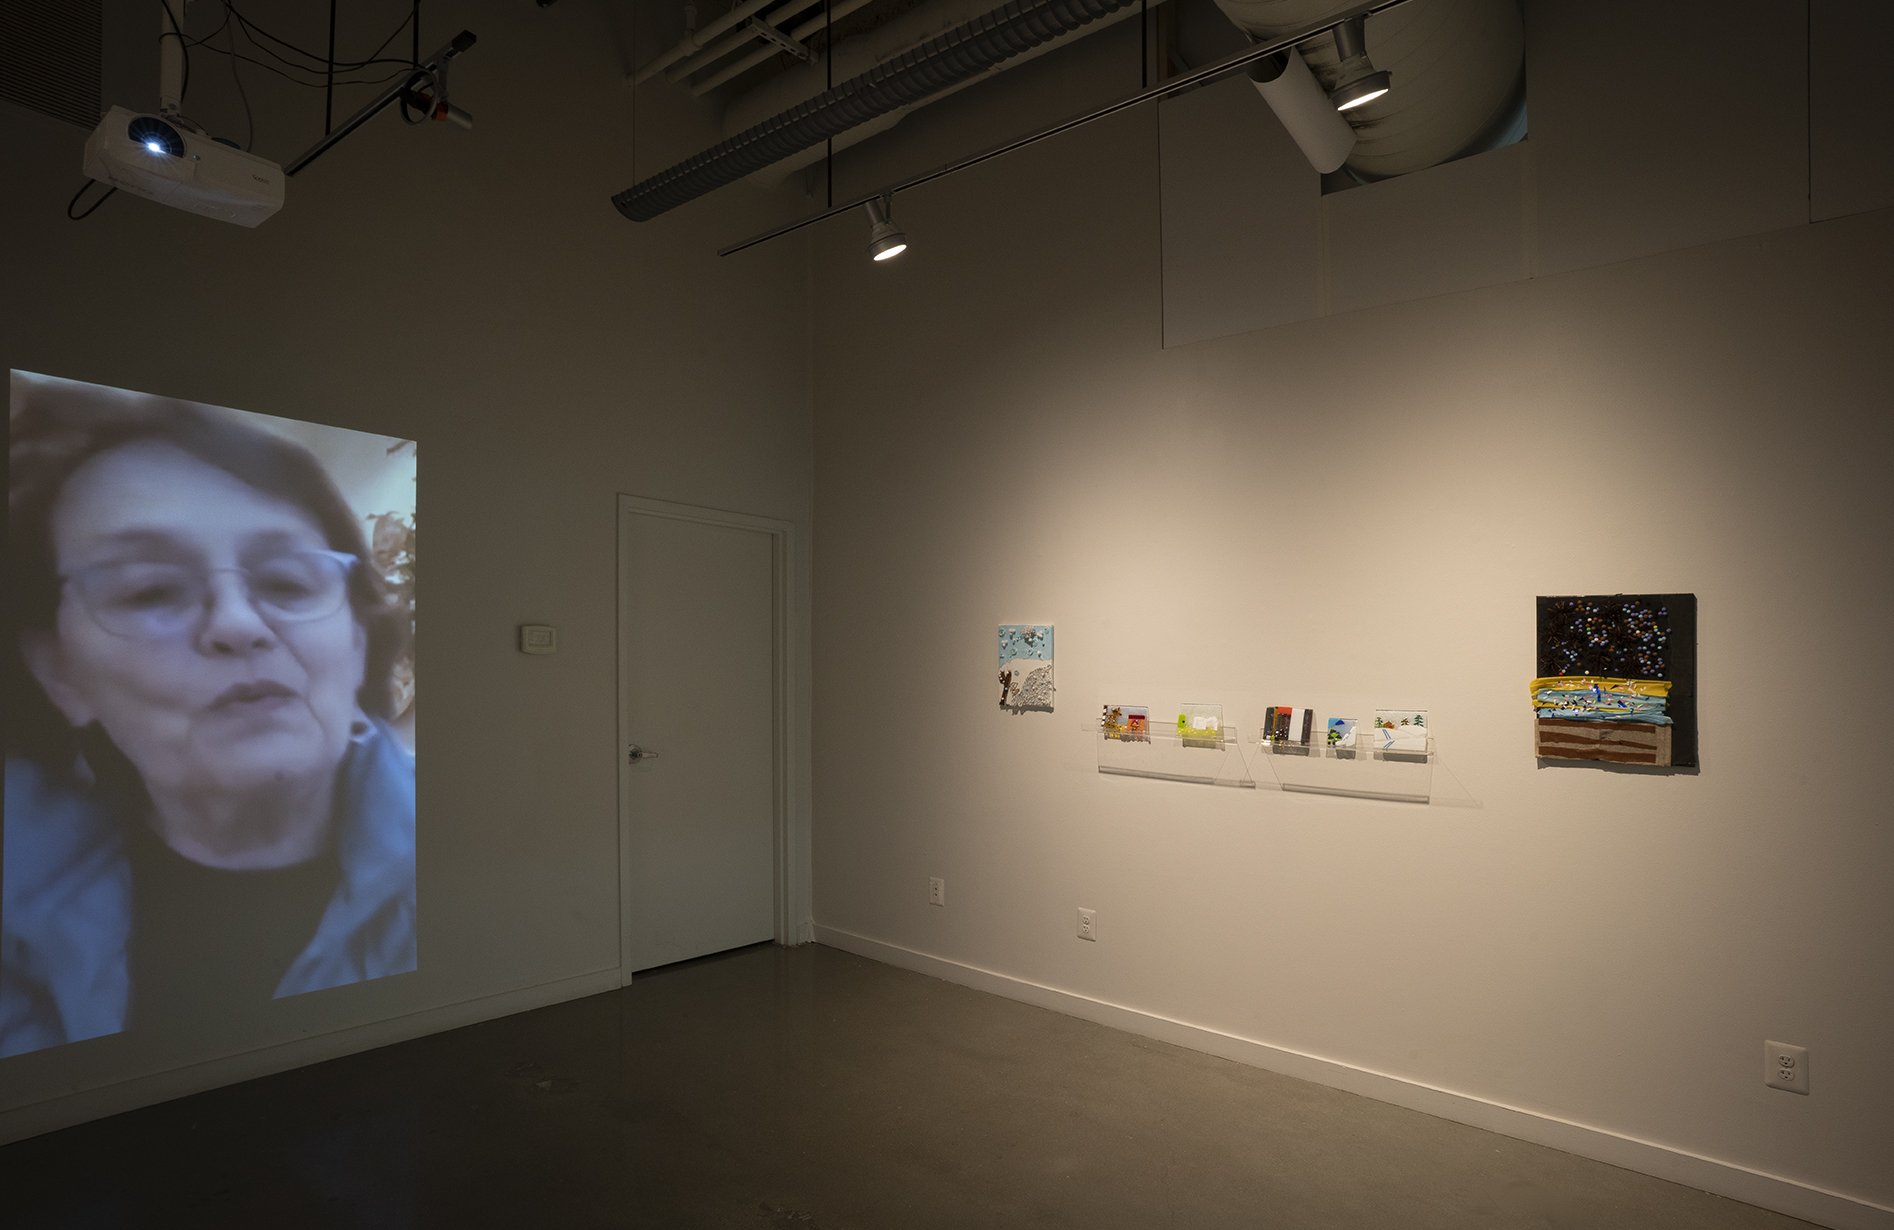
{"x":249,"y":116}
{"x":267,"y":42}
{"x":328,"y":102}
{"x":75,"y":200}
{"x":287,"y":68}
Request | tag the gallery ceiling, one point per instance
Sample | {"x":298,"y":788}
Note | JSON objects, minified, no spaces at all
{"x":795,"y":78}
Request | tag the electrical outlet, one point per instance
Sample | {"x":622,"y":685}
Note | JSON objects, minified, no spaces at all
{"x":1088,"y":925}
{"x":1785,"y":1066}
{"x":936,"y":891}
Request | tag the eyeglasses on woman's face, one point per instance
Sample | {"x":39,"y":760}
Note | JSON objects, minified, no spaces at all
{"x":155,"y":599}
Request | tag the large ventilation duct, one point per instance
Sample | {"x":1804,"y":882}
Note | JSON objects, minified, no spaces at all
{"x":936,"y":65}
{"x":1458,"y":68}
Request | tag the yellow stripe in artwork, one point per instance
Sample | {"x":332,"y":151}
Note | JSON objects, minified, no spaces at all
{"x":1657,"y":689}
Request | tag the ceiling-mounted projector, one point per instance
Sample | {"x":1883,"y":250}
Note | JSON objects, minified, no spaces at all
{"x":153,"y":157}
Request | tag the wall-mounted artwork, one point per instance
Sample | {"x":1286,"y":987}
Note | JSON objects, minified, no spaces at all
{"x":1341,"y":735}
{"x":1026,"y":667}
{"x":1201,"y":725}
{"x":1128,"y":723}
{"x":1400,"y":730}
{"x":1287,"y":725}
{"x":1617,"y":679}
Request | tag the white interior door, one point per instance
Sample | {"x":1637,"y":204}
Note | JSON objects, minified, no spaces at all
{"x":699,"y":660}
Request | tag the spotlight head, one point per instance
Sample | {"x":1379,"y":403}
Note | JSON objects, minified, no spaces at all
{"x":885,"y":240}
{"x":1360,"y":82}
{"x":1360,"y":91}
{"x":886,"y":243}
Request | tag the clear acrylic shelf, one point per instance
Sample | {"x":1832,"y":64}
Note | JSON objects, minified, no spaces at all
{"x":1360,"y":772}
{"x":1363,"y":771}
{"x":1215,"y":760}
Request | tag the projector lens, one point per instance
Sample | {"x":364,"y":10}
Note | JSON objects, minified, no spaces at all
{"x":155,"y":135}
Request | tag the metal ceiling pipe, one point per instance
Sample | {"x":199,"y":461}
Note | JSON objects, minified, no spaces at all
{"x":832,"y":13}
{"x":739,"y":39}
{"x":696,"y":41}
{"x":991,"y":39}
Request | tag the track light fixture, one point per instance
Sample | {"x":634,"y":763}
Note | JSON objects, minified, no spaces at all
{"x":1360,"y":81}
{"x":885,"y":239}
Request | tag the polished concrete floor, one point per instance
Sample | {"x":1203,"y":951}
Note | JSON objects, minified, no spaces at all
{"x":808,"y":1089}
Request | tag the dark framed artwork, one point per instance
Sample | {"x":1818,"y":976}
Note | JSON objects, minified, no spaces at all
{"x":1617,"y":679}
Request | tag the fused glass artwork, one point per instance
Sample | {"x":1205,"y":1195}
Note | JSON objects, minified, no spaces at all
{"x":1617,"y":679}
{"x":1129,"y":723}
{"x":1341,"y":731}
{"x":1400,"y":730}
{"x":1026,"y":666}
{"x":1288,"y":724}
{"x":1200,"y":725}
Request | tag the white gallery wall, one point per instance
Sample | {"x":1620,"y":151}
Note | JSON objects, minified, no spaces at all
{"x":1355,"y":509}
{"x":474,"y":291}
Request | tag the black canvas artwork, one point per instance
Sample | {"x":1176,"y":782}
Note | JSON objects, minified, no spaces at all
{"x":1639,"y":637}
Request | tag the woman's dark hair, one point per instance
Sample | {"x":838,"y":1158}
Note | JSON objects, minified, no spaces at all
{"x":56,"y":427}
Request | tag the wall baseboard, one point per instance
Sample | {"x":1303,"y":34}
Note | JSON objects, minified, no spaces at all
{"x":84,"y":1105}
{"x":1660,"y":1161}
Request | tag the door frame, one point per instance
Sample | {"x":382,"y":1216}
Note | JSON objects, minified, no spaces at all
{"x":791,"y":878}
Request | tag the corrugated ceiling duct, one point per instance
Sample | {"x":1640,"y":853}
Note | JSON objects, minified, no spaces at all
{"x":954,"y":57}
{"x":1458,"y":69}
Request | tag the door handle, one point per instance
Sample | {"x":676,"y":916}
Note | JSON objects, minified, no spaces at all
{"x":634,"y":754}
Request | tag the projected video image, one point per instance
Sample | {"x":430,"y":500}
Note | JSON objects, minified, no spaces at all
{"x":209,"y":713}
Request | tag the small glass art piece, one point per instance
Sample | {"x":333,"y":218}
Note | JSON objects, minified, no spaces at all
{"x":1126,"y":723}
{"x":1616,"y":679}
{"x":1026,"y":667}
{"x":1286,"y":726}
{"x":1200,"y":725}
{"x":1400,"y":730}
{"x":1341,"y":735}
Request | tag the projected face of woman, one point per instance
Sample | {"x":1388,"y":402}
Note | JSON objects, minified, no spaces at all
{"x":224,"y":699}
